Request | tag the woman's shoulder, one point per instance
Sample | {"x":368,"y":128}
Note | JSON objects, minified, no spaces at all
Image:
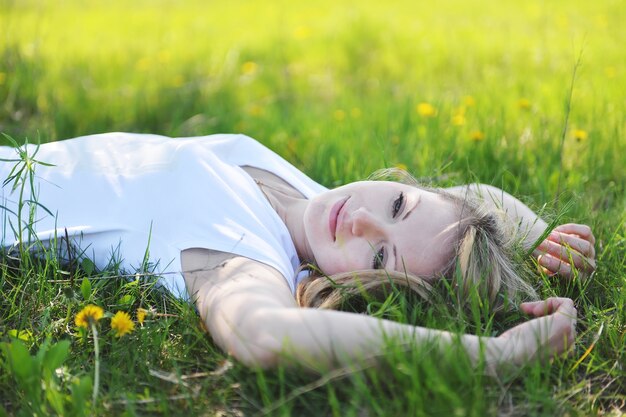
{"x":204,"y":266}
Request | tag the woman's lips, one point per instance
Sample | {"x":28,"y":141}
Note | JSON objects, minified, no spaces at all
{"x":334,"y":216}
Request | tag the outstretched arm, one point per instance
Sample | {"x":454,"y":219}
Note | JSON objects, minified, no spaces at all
{"x":251,"y":313}
{"x":568,"y":246}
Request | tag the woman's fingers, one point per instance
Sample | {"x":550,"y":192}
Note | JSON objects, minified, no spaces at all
{"x":567,"y":248}
{"x":529,"y":308}
{"x":555,"y":325}
{"x":555,"y":266}
{"x":563,"y":332}
{"x":552,"y":266}
{"x":567,"y":255}
{"x":581,"y":230}
{"x":552,"y":331}
{"x":549,"y":306}
{"x":572,"y":241}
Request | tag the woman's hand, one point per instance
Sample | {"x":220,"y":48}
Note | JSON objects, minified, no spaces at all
{"x":550,"y":333}
{"x":568,"y":250}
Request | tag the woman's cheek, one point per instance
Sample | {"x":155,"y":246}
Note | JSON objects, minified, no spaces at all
{"x":338,"y":260}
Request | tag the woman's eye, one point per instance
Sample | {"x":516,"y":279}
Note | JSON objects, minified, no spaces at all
{"x":397,"y":205}
{"x":379,"y":259}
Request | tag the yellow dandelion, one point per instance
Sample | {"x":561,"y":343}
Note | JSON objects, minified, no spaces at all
{"x":302,"y":32}
{"x":122,"y":324}
{"x":249,"y":68}
{"x":90,"y":314}
{"x":402,"y":166}
{"x":339,"y":115}
{"x":177,"y":81}
{"x":601,"y":21}
{"x":524,"y":104}
{"x":458,"y":117}
{"x":355,"y":112}
{"x":255,"y":110}
{"x":143,"y":64}
{"x":580,"y":135}
{"x":141,"y":315}
{"x":469,"y":101}
{"x":477,"y":135}
{"x":458,"y":120}
{"x":426,"y":110}
{"x":165,"y":56}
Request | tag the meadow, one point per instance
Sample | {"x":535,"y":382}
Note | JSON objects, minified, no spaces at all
{"x":527,"y":96}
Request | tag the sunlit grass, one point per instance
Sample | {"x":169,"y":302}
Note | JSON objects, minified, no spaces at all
{"x":455,"y":91}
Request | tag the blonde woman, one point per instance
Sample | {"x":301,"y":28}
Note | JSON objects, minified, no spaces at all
{"x":229,"y":224}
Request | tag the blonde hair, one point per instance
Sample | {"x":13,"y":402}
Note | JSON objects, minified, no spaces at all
{"x":487,"y":259}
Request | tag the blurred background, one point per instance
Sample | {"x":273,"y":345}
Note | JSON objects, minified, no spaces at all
{"x":454,"y":91}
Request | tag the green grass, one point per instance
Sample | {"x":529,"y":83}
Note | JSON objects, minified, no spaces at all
{"x":333,"y":87}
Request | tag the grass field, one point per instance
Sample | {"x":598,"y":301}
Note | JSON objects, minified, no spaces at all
{"x":528,"y":96}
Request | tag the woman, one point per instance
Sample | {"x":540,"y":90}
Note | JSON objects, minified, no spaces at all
{"x":229,"y":224}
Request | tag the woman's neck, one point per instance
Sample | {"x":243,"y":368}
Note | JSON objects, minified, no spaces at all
{"x":288,"y":203}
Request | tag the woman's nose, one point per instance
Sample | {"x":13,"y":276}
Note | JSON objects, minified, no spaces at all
{"x":365,"y":224}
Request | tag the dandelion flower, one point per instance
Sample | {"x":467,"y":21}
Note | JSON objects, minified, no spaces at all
{"x":141,"y":315}
{"x":122,"y":324}
{"x":249,"y":68}
{"x":477,"y":135}
{"x":426,"y":110}
{"x":302,"y":32}
{"x":90,"y":314}
{"x":580,"y":135}
{"x":610,"y":72}
{"x":165,"y":56}
{"x":255,"y":110}
{"x":402,"y":166}
{"x":524,"y":104}
{"x":458,"y":118}
{"x":143,"y":64}
{"x":601,"y":21}
{"x":469,"y":101}
{"x":339,"y":115}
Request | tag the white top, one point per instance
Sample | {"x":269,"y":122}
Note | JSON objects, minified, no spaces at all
{"x":120,"y":195}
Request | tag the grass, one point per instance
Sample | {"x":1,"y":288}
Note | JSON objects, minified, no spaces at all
{"x":335,"y":87}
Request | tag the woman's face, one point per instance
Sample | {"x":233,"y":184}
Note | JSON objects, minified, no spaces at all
{"x":381,"y":225}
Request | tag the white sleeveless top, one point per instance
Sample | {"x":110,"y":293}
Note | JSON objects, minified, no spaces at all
{"x":123,"y":196}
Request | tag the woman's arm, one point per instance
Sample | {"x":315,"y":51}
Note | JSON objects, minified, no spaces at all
{"x":567,"y":247}
{"x":251,"y":313}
